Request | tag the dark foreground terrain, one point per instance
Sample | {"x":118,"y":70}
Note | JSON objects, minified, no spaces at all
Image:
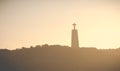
{"x":59,"y":58}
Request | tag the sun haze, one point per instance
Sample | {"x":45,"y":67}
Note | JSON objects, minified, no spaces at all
{"x":28,"y":22}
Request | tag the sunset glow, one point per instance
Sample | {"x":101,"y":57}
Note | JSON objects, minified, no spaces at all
{"x":30,"y":23}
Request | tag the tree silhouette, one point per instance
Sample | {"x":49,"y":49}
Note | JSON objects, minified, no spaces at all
{"x":59,"y":58}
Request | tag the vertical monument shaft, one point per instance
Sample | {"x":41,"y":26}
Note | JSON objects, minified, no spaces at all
{"x":75,"y":41}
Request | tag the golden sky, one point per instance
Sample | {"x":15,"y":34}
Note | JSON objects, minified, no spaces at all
{"x":37,"y":22}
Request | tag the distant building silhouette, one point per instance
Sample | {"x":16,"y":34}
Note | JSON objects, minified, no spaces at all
{"x":74,"y":41}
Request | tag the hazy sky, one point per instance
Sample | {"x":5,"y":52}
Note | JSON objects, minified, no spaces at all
{"x":36,"y":22}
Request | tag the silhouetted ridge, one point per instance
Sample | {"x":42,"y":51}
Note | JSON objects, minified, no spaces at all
{"x":59,"y":58}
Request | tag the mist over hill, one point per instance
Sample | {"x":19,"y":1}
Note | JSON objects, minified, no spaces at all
{"x":59,"y":58}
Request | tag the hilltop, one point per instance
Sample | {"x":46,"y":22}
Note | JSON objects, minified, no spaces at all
{"x":59,"y":58}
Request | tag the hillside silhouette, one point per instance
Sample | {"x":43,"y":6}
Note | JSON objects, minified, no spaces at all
{"x":59,"y":58}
